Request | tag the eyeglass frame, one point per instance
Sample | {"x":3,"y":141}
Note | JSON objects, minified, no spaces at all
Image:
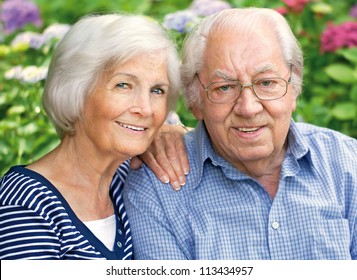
{"x":251,"y":86}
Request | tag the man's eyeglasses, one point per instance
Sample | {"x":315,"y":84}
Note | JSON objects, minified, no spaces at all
{"x":264,"y":89}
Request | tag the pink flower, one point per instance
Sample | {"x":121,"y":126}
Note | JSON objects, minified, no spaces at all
{"x":282,"y":10}
{"x":296,"y":6}
{"x":339,"y":36}
{"x":353,"y":11}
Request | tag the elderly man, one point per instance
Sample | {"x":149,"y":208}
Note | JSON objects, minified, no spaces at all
{"x":261,"y":186}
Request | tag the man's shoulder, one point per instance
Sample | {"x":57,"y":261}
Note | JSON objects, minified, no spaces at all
{"x":327,"y":143}
{"x":143,"y":182}
{"x":314,"y":132}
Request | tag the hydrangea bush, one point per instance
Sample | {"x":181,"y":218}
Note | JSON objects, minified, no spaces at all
{"x":30,"y":30}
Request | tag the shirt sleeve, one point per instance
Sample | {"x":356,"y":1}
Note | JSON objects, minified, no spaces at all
{"x":350,"y":191}
{"x":153,"y":236}
{"x":26,"y":235}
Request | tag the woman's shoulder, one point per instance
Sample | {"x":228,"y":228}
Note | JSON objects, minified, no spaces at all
{"x":23,"y":187}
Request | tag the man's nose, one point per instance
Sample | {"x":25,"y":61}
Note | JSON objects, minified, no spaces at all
{"x":248,"y":104}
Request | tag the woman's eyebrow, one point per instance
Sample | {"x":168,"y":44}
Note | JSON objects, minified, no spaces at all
{"x":132,"y":76}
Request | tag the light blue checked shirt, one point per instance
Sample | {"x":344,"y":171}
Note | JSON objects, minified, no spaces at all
{"x":222,"y":213}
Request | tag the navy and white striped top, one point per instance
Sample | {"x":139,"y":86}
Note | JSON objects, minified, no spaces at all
{"x":36,"y":222}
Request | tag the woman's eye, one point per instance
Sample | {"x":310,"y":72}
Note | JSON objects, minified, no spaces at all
{"x":122,"y":85}
{"x":158,"y":91}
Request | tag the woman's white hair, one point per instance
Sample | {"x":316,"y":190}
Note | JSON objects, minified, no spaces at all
{"x":93,"y":45}
{"x":225,"y":21}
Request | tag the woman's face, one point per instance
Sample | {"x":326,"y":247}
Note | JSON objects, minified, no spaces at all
{"x":123,"y":114}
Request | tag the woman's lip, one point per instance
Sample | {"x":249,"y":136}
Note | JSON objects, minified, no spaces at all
{"x":132,"y":127}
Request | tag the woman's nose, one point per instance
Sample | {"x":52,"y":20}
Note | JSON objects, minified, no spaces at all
{"x":142,"y":104}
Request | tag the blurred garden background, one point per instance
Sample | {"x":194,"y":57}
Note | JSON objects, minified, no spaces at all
{"x":30,"y":29}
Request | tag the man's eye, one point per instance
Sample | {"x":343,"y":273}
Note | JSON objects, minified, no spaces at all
{"x":266,"y":83}
{"x":225,"y":87}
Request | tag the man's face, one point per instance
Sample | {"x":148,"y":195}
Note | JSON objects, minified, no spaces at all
{"x":249,"y":130}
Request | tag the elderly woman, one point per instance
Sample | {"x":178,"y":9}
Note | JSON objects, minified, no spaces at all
{"x":110,"y":84}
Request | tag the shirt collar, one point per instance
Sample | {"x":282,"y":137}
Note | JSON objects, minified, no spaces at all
{"x":205,"y":154}
{"x":297,"y":145}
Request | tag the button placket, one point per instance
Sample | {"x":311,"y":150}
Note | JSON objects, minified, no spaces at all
{"x":275,"y":225}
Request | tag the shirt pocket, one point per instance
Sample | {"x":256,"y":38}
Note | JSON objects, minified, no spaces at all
{"x":332,"y":239}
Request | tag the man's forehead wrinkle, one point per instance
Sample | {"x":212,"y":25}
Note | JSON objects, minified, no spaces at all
{"x":221,"y":74}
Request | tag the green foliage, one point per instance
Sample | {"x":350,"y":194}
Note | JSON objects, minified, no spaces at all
{"x":329,"y":96}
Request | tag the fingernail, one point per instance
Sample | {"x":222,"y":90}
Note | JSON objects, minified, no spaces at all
{"x":182,"y":181}
{"x":176,"y":185}
{"x":186,"y":171}
{"x":165,"y":179}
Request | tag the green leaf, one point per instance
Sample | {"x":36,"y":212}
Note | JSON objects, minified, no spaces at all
{"x":16,"y":110}
{"x":322,"y":8}
{"x":2,"y":99}
{"x":29,"y":129}
{"x":353,"y":93}
{"x":345,"y":111}
{"x":341,"y":73}
{"x":349,"y":54}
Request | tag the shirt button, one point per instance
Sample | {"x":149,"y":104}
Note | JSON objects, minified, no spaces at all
{"x":119,"y":244}
{"x":214,"y":164}
{"x":119,"y":231}
{"x":275,"y":225}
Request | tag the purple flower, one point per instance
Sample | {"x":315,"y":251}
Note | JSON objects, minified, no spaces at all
{"x":17,"y":13}
{"x":208,"y":7}
{"x":353,"y":11}
{"x":173,"y":118}
{"x":1,"y":32}
{"x":33,"y":74}
{"x":55,"y":31}
{"x":339,"y":36}
{"x":14,"y":73}
{"x":29,"y":74}
{"x":180,"y":21}
{"x":32,"y":39}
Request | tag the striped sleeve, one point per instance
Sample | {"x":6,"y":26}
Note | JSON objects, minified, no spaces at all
{"x":26,"y":235}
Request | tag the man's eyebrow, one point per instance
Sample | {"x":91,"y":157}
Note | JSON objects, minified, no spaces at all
{"x":221,"y":74}
{"x":265,"y":68}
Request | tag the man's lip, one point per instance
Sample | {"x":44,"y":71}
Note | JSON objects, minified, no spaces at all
{"x":249,"y":132}
{"x":248,"y":129}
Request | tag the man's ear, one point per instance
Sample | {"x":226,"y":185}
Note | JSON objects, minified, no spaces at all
{"x":197,"y":112}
